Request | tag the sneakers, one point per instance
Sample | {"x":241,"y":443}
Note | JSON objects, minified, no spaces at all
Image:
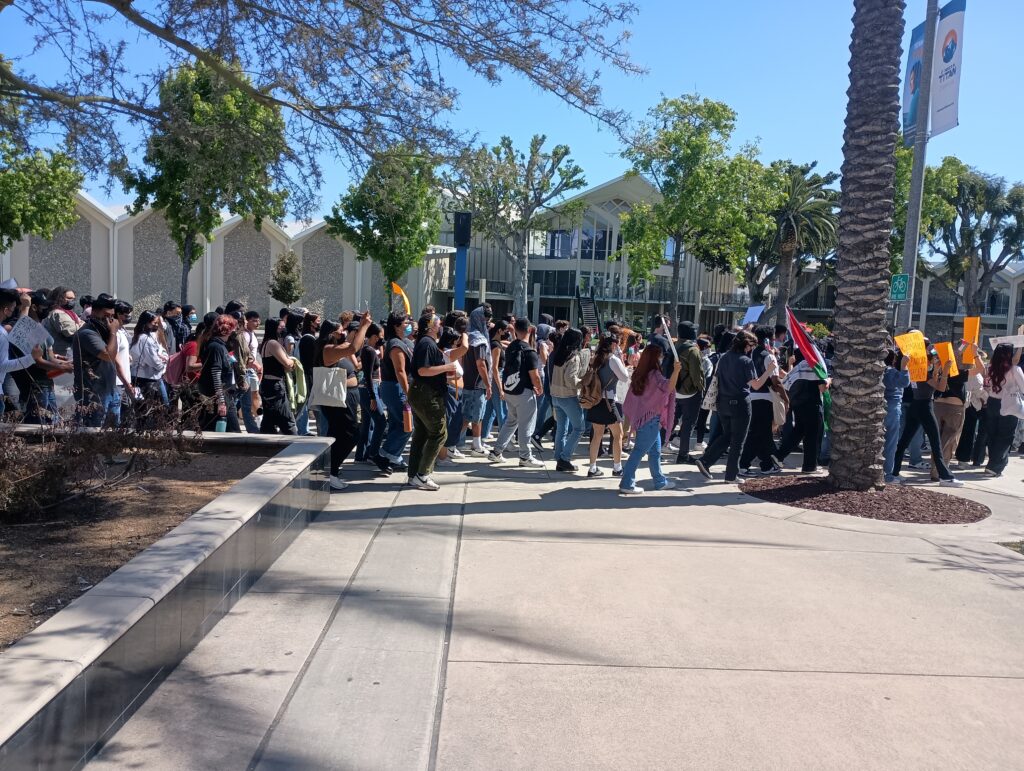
{"x":455,"y":452}
{"x":673,"y":446}
{"x":564,"y":465}
{"x":480,"y":452}
{"x":700,"y":446}
{"x":669,"y":485}
{"x":895,"y":481}
{"x":922,"y":466}
{"x":595,"y":472}
{"x":399,"y":465}
{"x":773,"y":471}
{"x":383,"y":465}
{"x":634,"y":490}
{"x":777,"y":462}
{"x":617,"y":472}
{"x":990,"y":473}
{"x":495,"y":457}
{"x":951,"y":483}
{"x":749,"y":473}
{"x":423,"y":483}
{"x":699,"y":463}
{"x":530,"y":462}
{"x":337,"y":483}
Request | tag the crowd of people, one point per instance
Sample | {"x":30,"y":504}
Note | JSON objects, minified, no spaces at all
{"x":426,"y":392}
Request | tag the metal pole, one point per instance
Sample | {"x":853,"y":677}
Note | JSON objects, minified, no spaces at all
{"x":913,"y":229}
{"x":460,"y":277}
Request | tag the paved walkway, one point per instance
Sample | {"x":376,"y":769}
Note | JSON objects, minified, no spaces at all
{"x":519,"y":619}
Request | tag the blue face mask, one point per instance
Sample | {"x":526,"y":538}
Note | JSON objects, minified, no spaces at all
{"x":193,"y":318}
{"x":408,"y":329}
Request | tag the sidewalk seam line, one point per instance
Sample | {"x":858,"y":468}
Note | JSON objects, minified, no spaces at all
{"x":606,"y":542}
{"x":442,"y":677}
{"x":300,"y":675}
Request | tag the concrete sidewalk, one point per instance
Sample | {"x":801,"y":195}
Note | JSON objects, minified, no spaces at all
{"x":523,"y":619}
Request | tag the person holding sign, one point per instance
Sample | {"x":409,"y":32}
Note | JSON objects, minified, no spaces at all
{"x":950,"y":405}
{"x":922,"y":415}
{"x":1004,"y":383}
{"x":9,"y":301}
{"x":895,"y":379}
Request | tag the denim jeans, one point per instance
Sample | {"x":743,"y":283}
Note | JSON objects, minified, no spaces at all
{"x":302,"y":420}
{"x":496,"y":411}
{"x":893,"y":428}
{"x":522,"y":419}
{"x":544,"y":406}
{"x":647,"y":442}
{"x":453,"y":418}
{"x":371,"y":427}
{"x":917,"y":443}
{"x":396,"y":438}
{"x":569,"y":423}
{"x":244,"y":401}
{"x":41,"y":405}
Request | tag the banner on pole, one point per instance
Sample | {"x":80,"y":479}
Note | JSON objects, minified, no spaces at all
{"x":912,"y":84}
{"x":949,"y":41}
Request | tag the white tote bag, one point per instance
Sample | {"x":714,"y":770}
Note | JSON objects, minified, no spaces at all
{"x":328,"y":387}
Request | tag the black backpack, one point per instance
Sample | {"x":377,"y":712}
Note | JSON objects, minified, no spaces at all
{"x":510,"y":376}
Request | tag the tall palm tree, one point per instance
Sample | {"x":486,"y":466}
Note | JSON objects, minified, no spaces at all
{"x":865,"y":224}
{"x":805,"y":224}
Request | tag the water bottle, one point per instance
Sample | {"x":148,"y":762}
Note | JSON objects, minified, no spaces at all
{"x":222,"y":426}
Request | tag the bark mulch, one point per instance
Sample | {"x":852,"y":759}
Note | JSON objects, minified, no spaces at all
{"x":45,"y":566}
{"x":895,"y":503}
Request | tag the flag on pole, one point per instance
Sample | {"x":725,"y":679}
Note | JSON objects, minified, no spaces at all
{"x":949,"y":43}
{"x":812,"y":356}
{"x":398,"y":291}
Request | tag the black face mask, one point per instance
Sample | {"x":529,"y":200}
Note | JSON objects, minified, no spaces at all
{"x":68,"y":305}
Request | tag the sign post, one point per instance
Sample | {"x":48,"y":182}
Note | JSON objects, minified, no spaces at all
{"x":463,"y":233}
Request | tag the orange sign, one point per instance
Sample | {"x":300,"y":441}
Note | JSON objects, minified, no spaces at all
{"x":972,"y":331}
{"x":945,"y":351}
{"x":912,"y":345}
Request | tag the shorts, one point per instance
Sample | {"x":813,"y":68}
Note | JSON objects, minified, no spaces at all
{"x":474,"y":403}
{"x":605,"y":413}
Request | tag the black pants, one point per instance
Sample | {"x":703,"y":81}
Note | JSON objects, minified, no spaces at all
{"x":760,"y":443}
{"x":209,"y":418}
{"x":277,"y":412}
{"x":686,"y":416}
{"x":808,"y":422}
{"x":702,"y":423}
{"x":973,"y":437}
{"x":921,"y":415}
{"x":1001,"y":430}
{"x":343,"y":427}
{"x":734,"y":419}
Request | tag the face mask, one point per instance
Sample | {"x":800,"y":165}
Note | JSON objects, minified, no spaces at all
{"x":69,"y":305}
{"x":408,"y":329}
{"x":193,"y":318}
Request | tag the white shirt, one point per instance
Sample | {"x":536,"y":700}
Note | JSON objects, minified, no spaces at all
{"x":149,"y":358}
{"x":124,"y":360}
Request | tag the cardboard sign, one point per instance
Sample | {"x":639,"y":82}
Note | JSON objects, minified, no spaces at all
{"x":945,"y":351}
{"x":912,"y":345}
{"x":27,"y":334}
{"x":752,"y":315}
{"x":972,"y":330}
{"x":1017,"y":341}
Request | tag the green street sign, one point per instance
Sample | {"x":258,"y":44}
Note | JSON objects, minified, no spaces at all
{"x":899,"y":288}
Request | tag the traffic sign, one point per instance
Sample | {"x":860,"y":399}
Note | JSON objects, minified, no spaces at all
{"x":899,"y":288}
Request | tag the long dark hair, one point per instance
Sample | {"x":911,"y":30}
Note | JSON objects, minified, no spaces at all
{"x":1002,"y":360}
{"x":271,"y":331}
{"x":603,"y":352}
{"x":145,"y":319}
{"x":650,"y":361}
{"x":327,"y":328}
{"x":394,"y":320}
{"x":724,"y":343}
{"x":500,"y":326}
{"x":425,"y":322}
{"x":569,"y":342}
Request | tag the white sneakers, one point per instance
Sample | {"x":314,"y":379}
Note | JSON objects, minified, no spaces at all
{"x":337,"y":483}
{"x":423,"y":483}
{"x":531,"y":462}
{"x":951,"y":483}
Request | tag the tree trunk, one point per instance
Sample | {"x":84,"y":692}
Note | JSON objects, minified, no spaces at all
{"x":677,"y":259}
{"x":186,"y":267}
{"x":787,"y":255}
{"x":975,"y":292}
{"x":865,"y":224}
{"x":520,"y":288}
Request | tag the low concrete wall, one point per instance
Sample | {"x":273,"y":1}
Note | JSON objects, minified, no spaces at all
{"x":67,"y":687}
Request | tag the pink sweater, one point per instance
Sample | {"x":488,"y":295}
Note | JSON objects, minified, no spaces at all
{"x":657,"y":401}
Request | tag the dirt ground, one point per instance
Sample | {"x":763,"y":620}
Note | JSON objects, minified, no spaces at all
{"x":894,"y":503}
{"x":44,"y":567}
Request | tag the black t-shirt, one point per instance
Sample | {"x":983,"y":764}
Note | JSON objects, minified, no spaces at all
{"x":215,"y":355}
{"x":387,"y":367}
{"x":805,"y":392}
{"x":92,"y":374}
{"x":956,"y":388}
{"x":735,"y":371}
{"x":471,"y":377}
{"x":761,"y":357}
{"x":501,"y":355}
{"x":307,"y":356}
{"x":528,"y":360}
{"x":427,"y":354}
{"x":369,"y":360}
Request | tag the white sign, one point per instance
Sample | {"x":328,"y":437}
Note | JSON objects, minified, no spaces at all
{"x":752,"y":315}
{"x":1017,"y":341}
{"x":27,"y":334}
{"x":949,"y":44}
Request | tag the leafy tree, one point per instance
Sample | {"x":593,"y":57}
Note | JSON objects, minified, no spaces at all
{"x":349,"y":77}
{"x":392,"y":216}
{"x":805,"y":224}
{"x":212,"y":151}
{"x":985,"y":234}
{"x":37,"y":189}
{"x":865,"y":225}
{"x":286,"y":280}
{"x":939,"y":188}
{"x":511,"y":193}
{"x":711,"y":204}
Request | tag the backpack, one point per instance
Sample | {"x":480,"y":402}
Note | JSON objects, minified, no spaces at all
{"x":175,"y":371}
{"x":510,"y":376}
{"x":591,"y":392}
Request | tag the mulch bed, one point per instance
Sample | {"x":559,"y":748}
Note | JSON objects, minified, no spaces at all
{"x":894,"y":504}
{"x":45,"y":566}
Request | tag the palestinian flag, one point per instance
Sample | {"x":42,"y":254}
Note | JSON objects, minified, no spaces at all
{"x":812,"y":356}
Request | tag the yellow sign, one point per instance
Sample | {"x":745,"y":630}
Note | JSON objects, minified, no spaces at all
{"x":945,"y":351}
{"x":912,"y":345}
{"x":396,"y":289}
{"x":972,"y":331}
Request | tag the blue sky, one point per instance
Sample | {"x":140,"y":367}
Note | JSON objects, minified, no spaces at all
{"x":782,"y":65}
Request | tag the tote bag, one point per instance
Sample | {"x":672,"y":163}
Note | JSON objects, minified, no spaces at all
{"x":328,"y":387}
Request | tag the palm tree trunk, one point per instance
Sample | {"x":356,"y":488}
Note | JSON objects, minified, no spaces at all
{"x":865,"y":223}
{"x":785,"y":273}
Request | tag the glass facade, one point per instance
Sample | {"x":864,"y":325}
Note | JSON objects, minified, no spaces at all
{"x":559,"y":245}
{"x":554,"y":282}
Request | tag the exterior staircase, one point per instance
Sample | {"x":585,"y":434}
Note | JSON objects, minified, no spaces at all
{"x":588,"y":309}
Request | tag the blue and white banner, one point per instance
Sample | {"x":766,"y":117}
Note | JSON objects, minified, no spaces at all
{"x":912,"y":84}
{"x":949,"y":43}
